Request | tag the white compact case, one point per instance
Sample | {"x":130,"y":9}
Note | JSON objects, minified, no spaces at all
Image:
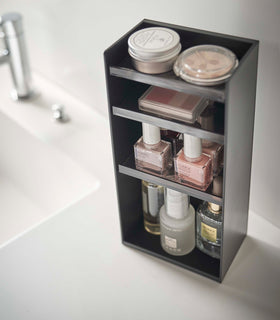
{"x":154,"y":50}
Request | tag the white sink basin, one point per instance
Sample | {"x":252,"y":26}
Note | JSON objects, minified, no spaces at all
{"x":82,"y":138}
{"x":46,"y":166}
{"x":37,"y":180}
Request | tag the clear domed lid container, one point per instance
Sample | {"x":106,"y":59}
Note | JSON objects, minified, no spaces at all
{"x":205,"y":64}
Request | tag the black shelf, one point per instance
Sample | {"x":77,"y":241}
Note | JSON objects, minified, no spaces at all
{"x":194,"y":261}
{"x":134,"y":113}
{"x":128,"y":108}
{"x":168,"y":181}
{"x":168,"y":80}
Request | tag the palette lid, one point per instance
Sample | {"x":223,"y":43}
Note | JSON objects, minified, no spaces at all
{"x":172,"y":104}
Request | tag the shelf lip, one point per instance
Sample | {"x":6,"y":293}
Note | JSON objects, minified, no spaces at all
{"x":169,"y":82}
{"x":170,"y":260}
{"x":132,"y":172}
{"x":141,"y":116}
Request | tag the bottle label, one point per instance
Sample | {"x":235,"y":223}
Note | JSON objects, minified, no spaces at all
{"x":151,"y":156}
{"x":170,"y":242}
{"x":192,"y":171}
{"x":208,"y":232}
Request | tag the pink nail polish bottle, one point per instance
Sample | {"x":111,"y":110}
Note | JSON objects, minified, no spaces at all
{"x":151,"y":153}
{"x":216,"y":152}
{"x":206,"y":120}
{"x":193,"y":168}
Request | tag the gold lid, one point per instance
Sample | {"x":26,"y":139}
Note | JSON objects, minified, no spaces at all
{"x":206,"y":121}
{"x":215,"y":208}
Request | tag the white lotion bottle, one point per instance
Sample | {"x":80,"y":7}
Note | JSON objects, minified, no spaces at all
{"x":177,"y":224}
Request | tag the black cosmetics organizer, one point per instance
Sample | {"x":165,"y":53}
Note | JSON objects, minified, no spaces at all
{"x":234,"y":128}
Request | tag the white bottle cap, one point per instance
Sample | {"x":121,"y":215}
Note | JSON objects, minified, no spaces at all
{"x":177,"y":204}
{"x":151,"y":134}
{"x":192,"y":146}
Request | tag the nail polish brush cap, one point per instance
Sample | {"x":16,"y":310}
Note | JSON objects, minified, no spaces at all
{"x":151,"y":134}
{"x":192,"y":146}
{"x":176,"y":203}
{"x":218,"y":191}
{"x":206,"y":120}
{"x":218,"y":186}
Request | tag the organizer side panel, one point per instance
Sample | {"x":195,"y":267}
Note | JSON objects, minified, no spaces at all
{"x":123,"y":134}
{"x":239,"y":127}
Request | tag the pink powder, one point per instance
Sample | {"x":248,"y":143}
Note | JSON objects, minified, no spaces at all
{"x":160,"y":95}
{"x":172,"y":99}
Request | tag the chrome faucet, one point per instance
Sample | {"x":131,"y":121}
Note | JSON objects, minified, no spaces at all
{"x":15,"y":54}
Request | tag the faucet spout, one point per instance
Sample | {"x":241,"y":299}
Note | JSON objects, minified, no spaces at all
{"x":15,"y":53}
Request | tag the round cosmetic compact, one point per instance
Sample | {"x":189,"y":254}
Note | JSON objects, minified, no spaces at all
{"x":205,"y":65}
{"x":154,"y":50}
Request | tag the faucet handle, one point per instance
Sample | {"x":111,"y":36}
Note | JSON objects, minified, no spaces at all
{"x":59,"y":113}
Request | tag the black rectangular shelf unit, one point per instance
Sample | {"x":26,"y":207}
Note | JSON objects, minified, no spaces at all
{"x":234,"y":129}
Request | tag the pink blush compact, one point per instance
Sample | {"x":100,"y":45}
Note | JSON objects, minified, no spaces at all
{"x":172,"y":104}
